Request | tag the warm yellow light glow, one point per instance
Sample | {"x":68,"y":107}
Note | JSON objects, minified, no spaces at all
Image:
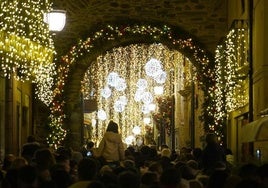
{"x":93,"y":122}
{"x":129,"y":64}
{"x":203,"y":66}
{"x":26,"y":47}
{"x":231,"y":70}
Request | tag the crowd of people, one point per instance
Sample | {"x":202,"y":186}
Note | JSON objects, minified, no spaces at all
{"x":110,"y":165}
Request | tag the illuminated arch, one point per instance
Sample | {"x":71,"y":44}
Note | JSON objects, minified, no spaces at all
{"x":75,"y":63}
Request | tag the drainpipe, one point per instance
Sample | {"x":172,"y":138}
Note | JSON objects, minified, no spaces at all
{"x":250,"y":59}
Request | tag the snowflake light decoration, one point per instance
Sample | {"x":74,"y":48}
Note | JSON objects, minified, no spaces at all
{"x":153,"y":67}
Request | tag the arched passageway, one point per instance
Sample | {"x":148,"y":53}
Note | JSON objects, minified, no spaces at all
{"x":85,"y":53}
{"x":138,"y":87}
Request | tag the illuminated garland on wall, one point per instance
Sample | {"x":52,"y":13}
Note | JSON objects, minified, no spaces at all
{"x":231,"y":77}
{"x":200,"y":60}
{"x":26,"y":46}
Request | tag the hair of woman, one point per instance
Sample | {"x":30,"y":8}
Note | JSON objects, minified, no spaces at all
{"x":112,"y":127}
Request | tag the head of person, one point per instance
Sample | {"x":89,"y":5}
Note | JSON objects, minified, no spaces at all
{"x":128,"y":179}
{"x":112,"y":127}
{"x":31,"y":138}
{"x":211,"y":138}
{"x":87,"y":169}
{"x":166,"y":153}
{"x":44,"y":158}
{"x":171,"y":177}
{"x":90,"y":145}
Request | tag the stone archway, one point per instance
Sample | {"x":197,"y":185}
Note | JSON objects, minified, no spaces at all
{"x":82,"y":55}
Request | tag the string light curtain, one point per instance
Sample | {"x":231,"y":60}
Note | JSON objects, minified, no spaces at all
{"x":232,"y":68}
{"x":128,"y":62}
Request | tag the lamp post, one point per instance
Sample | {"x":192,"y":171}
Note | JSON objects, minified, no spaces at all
{"x":55,"y":19}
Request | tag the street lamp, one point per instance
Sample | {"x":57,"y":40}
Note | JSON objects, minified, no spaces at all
{"x":55,"y":19}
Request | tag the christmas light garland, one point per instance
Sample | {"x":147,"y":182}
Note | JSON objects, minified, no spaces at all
{"x":201,"y":61}
{"x":26,"y":46}
{"x":231,"y":69}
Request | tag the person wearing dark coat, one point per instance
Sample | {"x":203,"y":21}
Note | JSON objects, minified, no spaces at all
{"x":29,"y":148}
{"x":213,"y":154}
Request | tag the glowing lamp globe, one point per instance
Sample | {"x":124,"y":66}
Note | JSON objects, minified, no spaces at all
{"x":55,"y":19}
{"x":138,"y":95}
{"x":145,"y":109}
{"x":123,"y":99}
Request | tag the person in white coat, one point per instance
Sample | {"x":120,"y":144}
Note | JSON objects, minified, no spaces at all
{"x":111,"y":147}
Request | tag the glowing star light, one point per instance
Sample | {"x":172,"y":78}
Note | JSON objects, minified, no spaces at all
{"x":129,"y":140}
{"x":145,"y":109}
